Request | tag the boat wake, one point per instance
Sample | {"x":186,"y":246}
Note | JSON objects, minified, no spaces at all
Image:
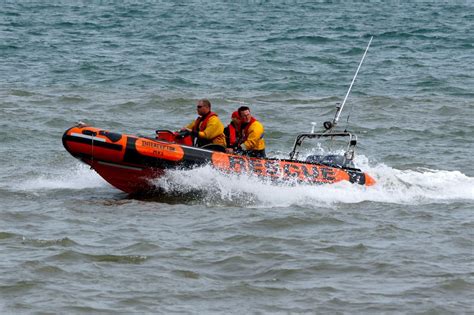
{"x":421,"y":186}
{"x":79,"y":177}
{"x":209,"y":186}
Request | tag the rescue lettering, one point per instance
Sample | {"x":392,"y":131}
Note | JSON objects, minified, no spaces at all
{"x":238,"y":163}
{"x":328,"y":174}
{"x":310,"y":172}
{"x":257,"y":166}
{"x":291,"y":170}
{"x":272,"y":168}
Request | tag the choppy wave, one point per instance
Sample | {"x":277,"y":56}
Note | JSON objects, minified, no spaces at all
{"x":71,"y":243}
{"x":71,"y":255}
{"x":63,"y":242}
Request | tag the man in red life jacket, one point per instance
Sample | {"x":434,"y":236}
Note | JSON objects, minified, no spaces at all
{"x":207,"y":128}
{"x":232,"y":131}
{"x":251,"y":142}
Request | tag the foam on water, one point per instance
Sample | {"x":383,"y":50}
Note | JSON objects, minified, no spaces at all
{"x":80,"y":176}
{"x":419,"y":186}
{"x":393,"y":186}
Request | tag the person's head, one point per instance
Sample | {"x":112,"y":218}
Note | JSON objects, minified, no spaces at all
{"x":235,"y":118}
{"x":244,"y":113}
{"x":203,"y":107}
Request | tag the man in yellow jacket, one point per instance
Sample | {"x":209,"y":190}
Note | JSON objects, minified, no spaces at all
{"x":207,"y":128}
{"x":252,"y":142}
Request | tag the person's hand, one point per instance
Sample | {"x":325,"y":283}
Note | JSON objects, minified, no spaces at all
{"x":238,"y":150}
{"x":184,"y":132}
{"x":187,"y":131}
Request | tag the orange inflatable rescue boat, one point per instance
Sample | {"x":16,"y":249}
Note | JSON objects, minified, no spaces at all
{"x":130,"y":163}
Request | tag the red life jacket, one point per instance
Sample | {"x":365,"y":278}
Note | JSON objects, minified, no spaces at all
{"x":231,"y":135}
{"x":201,"y":122}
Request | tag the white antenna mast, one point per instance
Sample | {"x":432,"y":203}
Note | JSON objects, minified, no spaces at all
{"x":339,"y":108}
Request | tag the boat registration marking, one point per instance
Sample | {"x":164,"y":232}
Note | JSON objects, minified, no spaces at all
{"x":151,"y":144}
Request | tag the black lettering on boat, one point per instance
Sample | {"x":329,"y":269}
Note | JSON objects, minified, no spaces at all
{"x":272,"y":168}
{"x":310,"y":172}
{"x":238,"y":163}
{"x":315,"y":172}
{"x":328,"y":174}
{"x":158,"y":146}
{"x":256,"y":166}
{"x":291,"y":170}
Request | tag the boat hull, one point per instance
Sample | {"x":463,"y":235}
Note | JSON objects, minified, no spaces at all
{"x":130,"y":163}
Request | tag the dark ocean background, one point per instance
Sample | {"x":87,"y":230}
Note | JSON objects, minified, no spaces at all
{"x":71,"y":243}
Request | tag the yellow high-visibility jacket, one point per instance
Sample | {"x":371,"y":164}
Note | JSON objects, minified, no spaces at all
{"x":211,"y":129}
{"x":252,"y":136}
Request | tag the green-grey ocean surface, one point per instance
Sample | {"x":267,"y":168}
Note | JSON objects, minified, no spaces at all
{"x":71,"y":243}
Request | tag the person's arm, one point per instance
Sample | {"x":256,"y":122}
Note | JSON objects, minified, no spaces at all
{"x":190,"y":126}
{"x":255,"y":134}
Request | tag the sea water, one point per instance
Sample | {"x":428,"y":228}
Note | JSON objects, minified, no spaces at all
{"x":214,"y":243}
